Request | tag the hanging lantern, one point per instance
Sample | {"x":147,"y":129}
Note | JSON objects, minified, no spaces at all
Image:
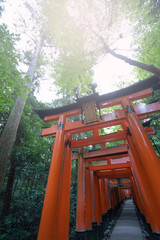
{"x":90,"y":112}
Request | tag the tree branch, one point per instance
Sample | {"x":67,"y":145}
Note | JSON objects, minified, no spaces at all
{"x":146,"y":67}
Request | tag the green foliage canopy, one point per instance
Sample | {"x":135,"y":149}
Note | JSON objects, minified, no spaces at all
{"x":11,"y":79}
{"x":73,"y":65}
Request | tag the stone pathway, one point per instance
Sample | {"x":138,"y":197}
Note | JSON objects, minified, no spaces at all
{"x":127,"y":226}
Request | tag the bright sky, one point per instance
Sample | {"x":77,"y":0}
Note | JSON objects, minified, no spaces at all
{"x":107,"y":74}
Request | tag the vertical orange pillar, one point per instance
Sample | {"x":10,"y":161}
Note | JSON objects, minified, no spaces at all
{"x":136,"y":194}
{"x":88,"y":198}
{"x":151,"y":206}
{"x":147,"y":154}
{"x":108,"y":203}
{"x":93,"y":197}
{"x":62,"y":228}
{"x":113,"y":197}
{"x":140,"y":181}
{"x":80,"y":217}
{"x":119,"y":193}
{"x":102,"y":196}
{"x":116,"y":195}
{"x":97,"y":200}
{"x":50,"y":206}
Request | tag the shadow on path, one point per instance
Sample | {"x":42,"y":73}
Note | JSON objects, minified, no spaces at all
{"x":127,"y":226}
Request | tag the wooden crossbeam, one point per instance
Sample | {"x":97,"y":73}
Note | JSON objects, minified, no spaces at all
{"x":110,"y":167}
{"x":100,"y":158}
{"x":135,"y":96}
{"x":109,"y":119}
{"x":120,"y":135}
{"x":101,"y":154}
{"x":120,"y":173}
{"x":108,"y":151}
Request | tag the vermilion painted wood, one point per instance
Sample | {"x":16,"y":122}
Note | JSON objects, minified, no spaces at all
{"x":133,"y":97}
{"x":92,"y":196}
{"x":148,"y":158}
{"x":108,"y":157}
{"x":110,"y":167}
{"x":120,"y":149}
{"x":50,"y":206}
{"x":109,"y":119}
{"x":80,"y":215}
{"x":119,"y":173}
{"x":113,"y":200}
{"x":102,"y":196}
{"x":67,"y":114}
{"x":88,"y":199}
{"x":116,"y":101}
{"x":64,"y":202}
{"x":120,"y":194}
{"x":136,"y":194}
{"x":108,"y":203}
{"x":102,"y":139}
{"x":97,"y":200}
{"x":140,"y":180}
{"x":147,"y":108}
{"x":120,"y":135}
{"x":151,"y":212}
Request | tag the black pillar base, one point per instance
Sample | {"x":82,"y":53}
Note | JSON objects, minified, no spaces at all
{"x":148,"y":228}
{"x":95,"y":230}
{"x":100,"y":231}
{"x":81,"y":235}
{"x":90,"y":234}
{"x":156,"y":235}
{"x":143,"y":218}
{"x":105,"y":220}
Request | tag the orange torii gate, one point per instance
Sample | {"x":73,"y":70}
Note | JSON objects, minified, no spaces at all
{"x":135,"y":159}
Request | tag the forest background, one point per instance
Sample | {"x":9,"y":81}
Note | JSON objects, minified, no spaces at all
{"x":63,"y":40}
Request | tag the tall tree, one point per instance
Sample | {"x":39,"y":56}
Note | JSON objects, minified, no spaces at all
{"x":11,"y":79}
{"x":10,"y":130}
{"x":8,"y":135}
{"x":26,"y":180}
{"x":103,"y":23}
{"x":73,"y":65}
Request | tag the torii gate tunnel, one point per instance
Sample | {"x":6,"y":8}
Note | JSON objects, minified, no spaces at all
{"x":107,"y":175}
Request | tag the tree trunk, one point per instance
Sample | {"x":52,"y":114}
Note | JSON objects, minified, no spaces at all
{"x":10,"y":181}
{"x":146,"y":67}
{"x":10,"y":130}
{"x":8,"y":191}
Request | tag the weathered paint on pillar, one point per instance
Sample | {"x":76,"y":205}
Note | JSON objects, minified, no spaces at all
{"x":146,"y":152}
{"x":136,"y":194}
{"x":138,"y":174}
{"x":50,"y":206}
{"x":62,"y":228}
{"x":92,"y":196}
{"x":102,"y":196}
{"x":88,"y":199}
{"x":113,"y":197}
{"x":80,"y":216}
{"x":108,"y":203}
{"x":119,"y":193}
{"x":151,"y":209}
{"x":97,"y":200}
